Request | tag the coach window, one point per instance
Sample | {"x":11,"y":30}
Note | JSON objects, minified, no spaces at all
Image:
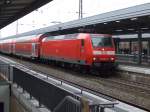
{"x":49,"y":38}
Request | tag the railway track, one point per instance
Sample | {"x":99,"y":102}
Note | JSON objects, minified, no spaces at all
{"x":134,"y":93}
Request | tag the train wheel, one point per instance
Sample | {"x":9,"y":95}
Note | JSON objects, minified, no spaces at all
{"x":84,"y":69}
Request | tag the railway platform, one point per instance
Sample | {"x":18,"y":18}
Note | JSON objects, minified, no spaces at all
{"x":139,"y":74}
{"x":135,"y":69}
{"x":132,"y":59}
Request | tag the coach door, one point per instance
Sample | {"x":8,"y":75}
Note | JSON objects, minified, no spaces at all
{"x":33,"y":50}
{"x":82,"y":48}
{"x":13,"y":48}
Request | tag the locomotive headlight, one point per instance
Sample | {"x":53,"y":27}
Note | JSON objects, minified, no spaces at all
{"x":94,"y":59}
{"x":112,"y":59}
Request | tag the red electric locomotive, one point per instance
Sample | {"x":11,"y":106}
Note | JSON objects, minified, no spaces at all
{"x":81,"y":48}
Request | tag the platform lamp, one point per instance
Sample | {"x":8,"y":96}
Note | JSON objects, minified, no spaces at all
{"x":7,"y":1}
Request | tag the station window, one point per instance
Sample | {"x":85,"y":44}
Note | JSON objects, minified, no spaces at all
{"x":124,"y":47}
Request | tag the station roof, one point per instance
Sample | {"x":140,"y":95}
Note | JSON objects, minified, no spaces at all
{"x":132,"y":37}
{"x":11,"y":10}
{"x":125,"y":21}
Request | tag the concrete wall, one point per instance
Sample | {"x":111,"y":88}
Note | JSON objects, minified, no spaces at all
{"x":5,"y":95}
{"x":16,"y":106}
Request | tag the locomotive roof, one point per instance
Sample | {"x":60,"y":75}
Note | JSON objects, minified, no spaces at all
{"x":72,"y":36}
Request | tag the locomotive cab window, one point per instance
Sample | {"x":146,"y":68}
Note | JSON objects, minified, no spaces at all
{"x":101,"y":41}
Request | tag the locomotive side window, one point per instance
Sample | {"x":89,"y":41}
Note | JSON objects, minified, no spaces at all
{"x":82,"y":42}
{"x":101,"y":41}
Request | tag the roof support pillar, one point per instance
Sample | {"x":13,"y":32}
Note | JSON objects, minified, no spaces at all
{"x":116,"y":42}
{"x":80,"y":9}
{"x":139,"y":46}
{"x":130,"y":47}
{"x":117,"y":47}
{"x":148,"y":50}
